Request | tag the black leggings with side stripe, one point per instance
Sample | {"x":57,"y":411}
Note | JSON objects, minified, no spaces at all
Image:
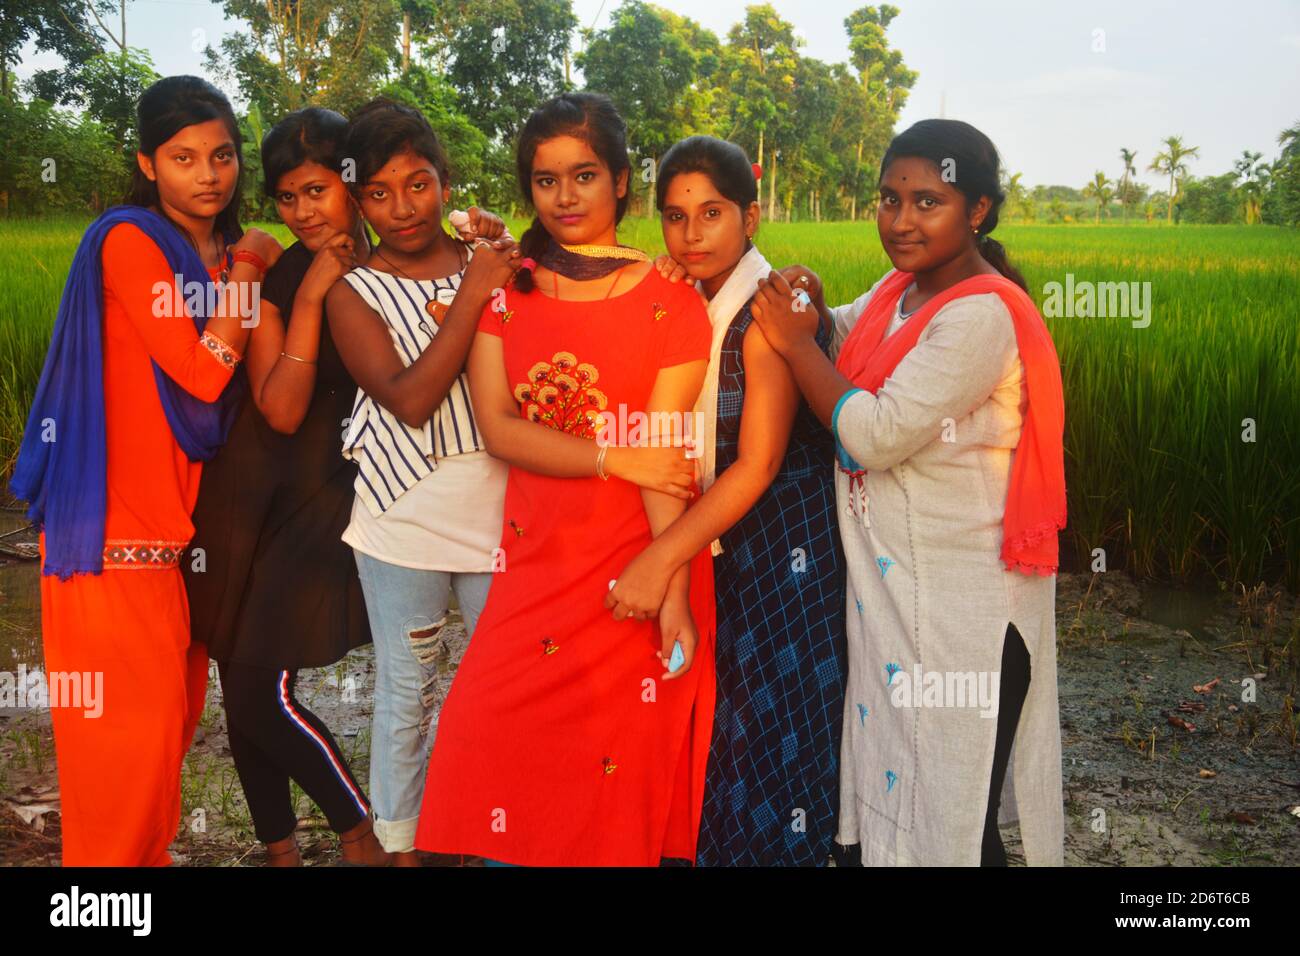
{"x":273,"y":739}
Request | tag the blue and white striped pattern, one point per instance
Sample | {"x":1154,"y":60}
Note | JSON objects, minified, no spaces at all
{"x":391,"y":456}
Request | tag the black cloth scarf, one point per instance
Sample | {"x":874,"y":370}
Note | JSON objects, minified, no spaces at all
{"x":574,"y":265}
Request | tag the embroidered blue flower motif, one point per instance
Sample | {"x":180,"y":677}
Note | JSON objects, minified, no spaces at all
{"x":859,"y":600}
{"x":890,"y":779}
{"x":884,"y":564}
{"x":891,"y":670}
{"x":863,"y":713}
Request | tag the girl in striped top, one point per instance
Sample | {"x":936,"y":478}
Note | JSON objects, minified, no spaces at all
{"x":427,"y":515}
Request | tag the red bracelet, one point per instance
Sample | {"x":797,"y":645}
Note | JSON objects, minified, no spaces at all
{"x":252,"y":258}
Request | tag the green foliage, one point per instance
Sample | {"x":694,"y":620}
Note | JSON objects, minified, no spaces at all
{"x":55,"y":162}
{"x":331,"y":53}
{"x":57,"y":26}
{"x":504,"y":57}
{"x":110,"y":85}
{"x":480,"y":170}
{"x":1210,"y":199}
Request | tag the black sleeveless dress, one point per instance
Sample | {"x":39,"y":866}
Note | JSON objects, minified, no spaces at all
{"x":273,"y":584}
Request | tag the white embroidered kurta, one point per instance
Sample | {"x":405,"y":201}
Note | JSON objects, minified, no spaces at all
{"x":929,"y":601}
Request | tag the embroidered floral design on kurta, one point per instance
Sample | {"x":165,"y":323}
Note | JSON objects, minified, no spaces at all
{"x":561,"y":394}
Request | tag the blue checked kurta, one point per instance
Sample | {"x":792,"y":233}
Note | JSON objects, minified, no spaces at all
{"x":772,"y":786}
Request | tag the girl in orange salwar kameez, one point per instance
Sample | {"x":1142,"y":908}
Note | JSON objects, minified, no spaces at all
{"x":135,"y":393}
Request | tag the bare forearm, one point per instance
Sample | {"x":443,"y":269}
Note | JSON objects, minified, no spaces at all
{"x":662,"y":511}
{"x":286,"y":394}
{"x":229,"y":322}
{"x":540,"y":449}
{"x":414,"y":393}
{"x":726,"y":502}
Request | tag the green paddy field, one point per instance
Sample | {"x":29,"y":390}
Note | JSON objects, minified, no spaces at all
{"x":1182,"y":437}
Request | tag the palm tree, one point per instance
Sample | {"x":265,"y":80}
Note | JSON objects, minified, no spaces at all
{"x":1017,"y":195}
{"x":1100,"y":190}
{"x":1289,"y":139}
{"x":1254,"y":176}
{"x":1169,"y":161}
{"x":1128,"y":155}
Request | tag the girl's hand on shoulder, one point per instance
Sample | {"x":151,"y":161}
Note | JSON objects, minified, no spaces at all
{"x":676,"y":626}
{"x":332,"y":262}
{"x":261,"y":244}
{"x":639,"y":591}
{"x":786,"y":316}
{"x":801,"y":277}
{"x":672,"y":270}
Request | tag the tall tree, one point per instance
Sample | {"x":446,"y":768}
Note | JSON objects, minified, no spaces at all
{"x":648,"y":70}
{"x":504,"y":57}
{"x":884,"y":78}
{"x":297,"y":52}
{"x":65,"y":27}
{"x":761,"y":63}
{"x":1125,"y":199}
{"x":1099,"y":191}
{"x":1170,"y":162}
{"x":1254,"y":179}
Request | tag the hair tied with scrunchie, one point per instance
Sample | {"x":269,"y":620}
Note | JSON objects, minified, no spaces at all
{"x":758,"y":171}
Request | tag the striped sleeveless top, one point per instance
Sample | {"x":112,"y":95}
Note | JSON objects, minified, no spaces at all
{"x":391,"y":456}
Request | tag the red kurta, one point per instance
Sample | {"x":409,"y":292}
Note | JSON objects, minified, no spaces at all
{"x":558,"y":743}
{"x":119,"y":771}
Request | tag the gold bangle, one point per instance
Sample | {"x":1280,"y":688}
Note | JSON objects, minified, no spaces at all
{"x":600,"y":463}
{"x":296,"y":359}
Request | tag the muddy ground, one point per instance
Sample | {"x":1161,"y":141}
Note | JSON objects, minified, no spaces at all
{"x":1156,"y":771}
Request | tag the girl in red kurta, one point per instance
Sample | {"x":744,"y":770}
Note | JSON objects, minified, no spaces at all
{"x":569,"y":737}
{"x":114,"y":490}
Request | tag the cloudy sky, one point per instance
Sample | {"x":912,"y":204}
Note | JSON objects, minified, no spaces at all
{"x":1059,"y":85}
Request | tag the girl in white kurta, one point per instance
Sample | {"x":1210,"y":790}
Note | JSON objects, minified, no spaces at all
{"x":951,"y":547}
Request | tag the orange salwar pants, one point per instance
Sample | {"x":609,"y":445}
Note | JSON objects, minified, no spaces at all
{"x":120,"y":772}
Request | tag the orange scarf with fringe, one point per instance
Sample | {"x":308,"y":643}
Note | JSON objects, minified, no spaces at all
{"x":1035,"y":507}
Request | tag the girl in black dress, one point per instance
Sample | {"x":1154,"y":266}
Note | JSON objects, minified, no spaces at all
{"x":272,"y":588}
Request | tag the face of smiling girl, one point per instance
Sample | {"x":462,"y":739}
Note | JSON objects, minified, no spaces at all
{"x":315,"y":204}
{"x":574,"y":193}
{"x":196,"y":170}
{"x":923,"y":221}
{"x":403,"y":202}
{"x":704,"y":230}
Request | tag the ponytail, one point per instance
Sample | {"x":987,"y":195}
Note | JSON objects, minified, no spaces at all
{"x":995,"y":254}
{"x":531,"y":245}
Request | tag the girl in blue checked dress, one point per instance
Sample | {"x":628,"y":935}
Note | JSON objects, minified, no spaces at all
{"x":772,"y":784}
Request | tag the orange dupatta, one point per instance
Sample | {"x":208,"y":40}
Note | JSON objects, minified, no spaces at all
{"x":1035,"y":507}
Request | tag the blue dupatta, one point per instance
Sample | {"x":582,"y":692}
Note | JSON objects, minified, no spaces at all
{"x":62,"y":463}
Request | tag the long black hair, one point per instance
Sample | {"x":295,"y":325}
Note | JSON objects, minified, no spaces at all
{"x":590,"y":117}
{"x":952,"y":144}
{"x":313,"y":134}
{"x":166,"y":108}
{"x":726,"y":165}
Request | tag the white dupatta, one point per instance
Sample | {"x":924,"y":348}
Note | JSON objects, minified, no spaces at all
{"x":735,"y":292}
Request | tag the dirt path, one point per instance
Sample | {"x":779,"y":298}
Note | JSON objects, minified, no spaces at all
{"x":1138,"y":790}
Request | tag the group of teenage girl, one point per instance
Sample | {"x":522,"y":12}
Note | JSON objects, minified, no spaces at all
{"x":725,"y":645}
